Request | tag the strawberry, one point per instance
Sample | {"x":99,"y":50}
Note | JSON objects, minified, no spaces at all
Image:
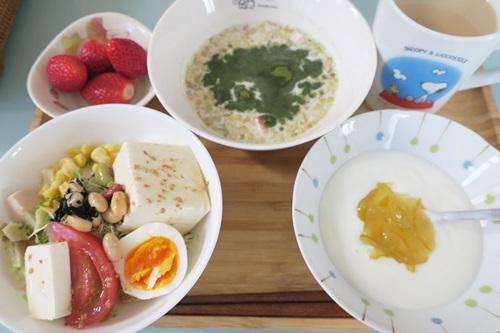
{"x":93,"y":53}
{"x":66,"y":72}
{"x":108,"y":88}
{"x":127,"y":57}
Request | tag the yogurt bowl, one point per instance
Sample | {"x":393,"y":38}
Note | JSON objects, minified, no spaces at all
{"x":454,"y":290}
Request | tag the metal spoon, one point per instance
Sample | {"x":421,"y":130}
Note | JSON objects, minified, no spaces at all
{"x":464,"y":215}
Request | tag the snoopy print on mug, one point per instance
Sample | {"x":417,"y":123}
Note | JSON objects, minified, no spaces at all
{"x":415,"y":83}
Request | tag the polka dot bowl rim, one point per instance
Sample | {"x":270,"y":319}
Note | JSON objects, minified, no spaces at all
{"x":461,"y":153}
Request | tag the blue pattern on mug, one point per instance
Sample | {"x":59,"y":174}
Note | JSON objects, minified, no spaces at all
{"x":416,"y":83}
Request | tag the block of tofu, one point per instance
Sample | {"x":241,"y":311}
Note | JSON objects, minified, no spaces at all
{"x":48,"y":280}
{"x":164,"y":183}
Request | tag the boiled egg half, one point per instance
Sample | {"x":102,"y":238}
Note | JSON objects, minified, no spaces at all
{"x":154,"y":261}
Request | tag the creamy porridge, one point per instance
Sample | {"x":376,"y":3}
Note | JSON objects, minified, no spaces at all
{"x":261,"y":82}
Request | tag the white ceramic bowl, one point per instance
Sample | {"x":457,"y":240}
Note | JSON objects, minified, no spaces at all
{"x":337,"y":25}
{"x":21,"y":168}
{"x":55,"y":103}
{"x":457,"y":150}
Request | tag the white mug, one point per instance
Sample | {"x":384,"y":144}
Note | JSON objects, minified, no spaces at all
{"x":429,"y":49}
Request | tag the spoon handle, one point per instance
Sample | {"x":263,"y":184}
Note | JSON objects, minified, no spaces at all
{"x":464,"y":215}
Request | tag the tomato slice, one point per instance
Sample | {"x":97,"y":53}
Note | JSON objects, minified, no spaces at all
{"x":94,"y":282}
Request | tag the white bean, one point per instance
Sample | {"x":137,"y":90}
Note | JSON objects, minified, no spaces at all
{"x":110,"y":217}
{"x":97,"y":220}
{"x":98,"y":201}
{"x":119,"y":203}
{"x":74,"y":199}
{"x":112,"y":247}
{"x":77,"y":223}
{"x":75,"y":187}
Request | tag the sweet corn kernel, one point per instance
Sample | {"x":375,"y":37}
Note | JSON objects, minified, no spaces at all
{"x":43,"y":189}
{"x":63,"y":188}
{"x":61,"y":176}
{"x":51,"y":192}
{"x":112,"y":147}
{"x":69,"y":168}
{"x":100,"y":155}
{"x":80,"y":160}
{"x":87,"y":150}
{"x":51,"y":205}
{"x":65,"y":160}
{"x":72,"y":152}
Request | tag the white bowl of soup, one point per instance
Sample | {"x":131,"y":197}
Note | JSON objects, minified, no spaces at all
{"x":84,"y":137}
{"x":355,"y":200}
{"x":261,"y":75}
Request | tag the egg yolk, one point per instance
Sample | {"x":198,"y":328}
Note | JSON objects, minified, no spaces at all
{"x":152,"y":264}
{"x":396,"y":226}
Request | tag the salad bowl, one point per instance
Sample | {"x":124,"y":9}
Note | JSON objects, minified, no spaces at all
{"x":464,"y":156}
{"x":22,"y":165}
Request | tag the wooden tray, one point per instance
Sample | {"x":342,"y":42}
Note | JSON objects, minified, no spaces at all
{"x":256,"y":278}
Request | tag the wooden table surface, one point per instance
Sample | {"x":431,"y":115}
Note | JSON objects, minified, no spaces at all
{"x":257,"y":252}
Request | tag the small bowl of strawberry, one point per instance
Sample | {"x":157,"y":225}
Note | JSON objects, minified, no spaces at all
{"x":98,"y":59}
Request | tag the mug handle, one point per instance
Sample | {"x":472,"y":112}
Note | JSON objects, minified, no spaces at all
{"x":482,"y":78}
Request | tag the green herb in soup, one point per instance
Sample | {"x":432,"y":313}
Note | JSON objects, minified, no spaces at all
{"x":272,"y":80}
{"x":261,"y":82}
